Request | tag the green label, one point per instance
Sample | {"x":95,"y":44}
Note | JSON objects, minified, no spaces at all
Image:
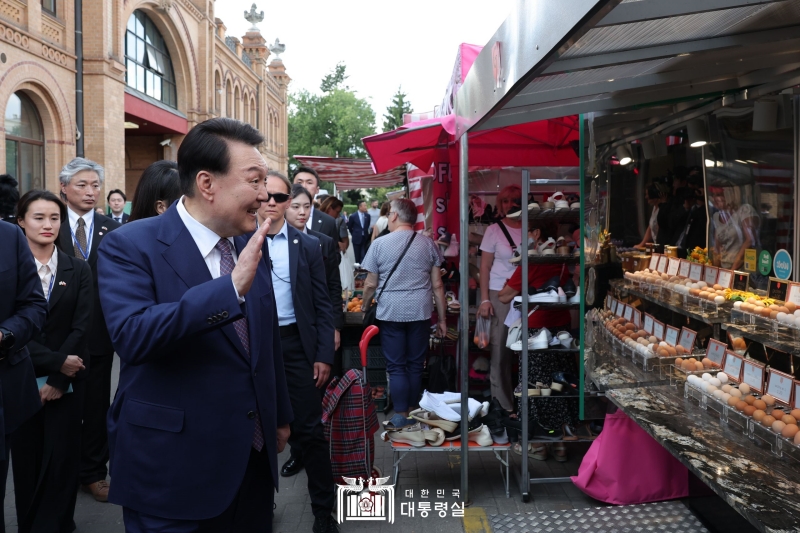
{"x":764,"y":263}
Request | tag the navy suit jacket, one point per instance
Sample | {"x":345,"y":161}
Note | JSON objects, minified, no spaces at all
{"x":360,"y":233}
{"x":181,"y":426}
{"x":332,"y":257}
{"x":23,"y":311}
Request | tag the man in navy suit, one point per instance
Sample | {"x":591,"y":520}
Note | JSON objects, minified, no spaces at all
{"x":202,"y":408}
{"x":116,"y":202}
{"x":23,"y":311}
{"x":358,"y":224}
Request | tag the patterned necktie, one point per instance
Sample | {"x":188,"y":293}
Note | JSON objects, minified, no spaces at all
{"x":80,"y":237}
{"x":226,"y":265}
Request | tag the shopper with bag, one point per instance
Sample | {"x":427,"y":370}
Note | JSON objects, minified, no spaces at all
{"x":404,"y":269}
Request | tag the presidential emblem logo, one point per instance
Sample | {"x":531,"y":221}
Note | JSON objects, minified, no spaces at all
{"x":373,"y":502}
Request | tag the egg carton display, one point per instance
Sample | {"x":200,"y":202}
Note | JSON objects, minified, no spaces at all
{"x":681,"y":290}
{"x":772,"y":317}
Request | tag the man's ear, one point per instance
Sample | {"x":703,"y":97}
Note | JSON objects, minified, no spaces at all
{"x":204,"y":182}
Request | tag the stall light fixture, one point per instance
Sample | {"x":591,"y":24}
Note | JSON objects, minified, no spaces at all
{"x":710,"y":163}
{"x":131,"y":126}
{"x":752,"y":162}
{"x":698,"y":133}
{"x":740,"y":161}
{"x":624,"y":155}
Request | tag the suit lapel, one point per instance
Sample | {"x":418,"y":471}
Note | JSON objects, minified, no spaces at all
{"x":294,"y":255}
{"x":64,"y":276}
{"x":97,"y":235}
{"x":65,"y":239}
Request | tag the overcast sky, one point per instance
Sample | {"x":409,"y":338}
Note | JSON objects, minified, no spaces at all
{"x":412,"y":43}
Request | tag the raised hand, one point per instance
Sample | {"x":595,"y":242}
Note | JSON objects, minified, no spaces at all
{"x":245,"y":270}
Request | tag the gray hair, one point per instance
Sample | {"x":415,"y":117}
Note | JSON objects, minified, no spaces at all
{"x":406,"y":210}
{"x":79,"y":164}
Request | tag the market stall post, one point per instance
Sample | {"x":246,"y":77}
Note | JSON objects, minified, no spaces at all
{"x":463,"y":290}
{"x":525,"y":481}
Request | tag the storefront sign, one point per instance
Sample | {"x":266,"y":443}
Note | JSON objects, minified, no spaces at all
{"x":725,"y":278}
{"x":780,"y":386}
{"x":764,"y":263}
{"x":629,"y":313}
{"x":658,"y":330}
{"x":671,"y":336}
{"x":711,"y":275}
{"x":753,"y":374}
{"x":741,"y":281}
{"x":716,"y":351}
{"x":637,"y":318}
{"x":750,"y":260}
{"x":648,"y":324}
{"x":782,"y":264}
{"x":696,"y":272}
{"x":777,"y":289}
{"x":441,"y":192}
{"x":662,"y":264}
{"x":687,"y":339}
{"x":683,"y":270}
{"x":793,"y":293}
{"x":654,"y":261}
{"x":674,"y":263}
{"x":733,"y":366}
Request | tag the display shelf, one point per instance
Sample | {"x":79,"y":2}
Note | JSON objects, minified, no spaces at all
{"x":777,"y":339}
{"x":552,"y":214}
{"x":550,"y":306}
{"x":607,"y":369}
{"x":555,"y":259}
{"x":550,"y":350}
{"x":698,"y":313}
{"x":745,"y":473}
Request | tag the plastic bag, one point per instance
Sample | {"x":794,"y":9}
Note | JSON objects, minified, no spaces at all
{"x":482,"y":326}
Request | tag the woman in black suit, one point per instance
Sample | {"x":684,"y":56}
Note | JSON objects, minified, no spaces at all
{"x":46,"y":448}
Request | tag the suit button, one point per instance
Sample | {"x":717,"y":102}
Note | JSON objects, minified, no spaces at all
{"x":210,"y":320}
{"x":224,"y":314}
{"x":251,"y":415}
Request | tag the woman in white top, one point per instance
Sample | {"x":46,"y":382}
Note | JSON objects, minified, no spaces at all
{"x":497,"y":248}
{"x":383,"y":221}
{"x":655,"y":198}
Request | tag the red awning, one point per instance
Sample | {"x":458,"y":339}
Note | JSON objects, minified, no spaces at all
{"x":352,"y":173}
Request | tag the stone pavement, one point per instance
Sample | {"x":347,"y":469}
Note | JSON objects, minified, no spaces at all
{"x":430,"y":471}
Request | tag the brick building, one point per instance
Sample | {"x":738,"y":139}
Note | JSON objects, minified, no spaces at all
{"x":152,"y":70}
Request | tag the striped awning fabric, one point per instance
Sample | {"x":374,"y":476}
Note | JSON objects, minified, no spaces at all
{"x":350,"y":174}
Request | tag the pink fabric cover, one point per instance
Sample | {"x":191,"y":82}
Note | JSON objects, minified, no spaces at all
{"x":626,"y":466}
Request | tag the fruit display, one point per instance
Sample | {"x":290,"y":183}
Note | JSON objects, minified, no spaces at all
{"x":354,"y":305}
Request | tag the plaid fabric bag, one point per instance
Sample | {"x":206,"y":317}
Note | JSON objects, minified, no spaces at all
{"x":350,"y":422}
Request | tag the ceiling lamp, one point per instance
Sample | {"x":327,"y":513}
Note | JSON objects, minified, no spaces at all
{"x":623,"y":155}
{"x":698,"y":133}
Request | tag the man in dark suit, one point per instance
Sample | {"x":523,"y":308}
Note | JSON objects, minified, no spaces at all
{"x":202,"y":408}
{"x":358,"y":224}
{"x":81,"y":235}
{"x":23,"y":310}
{"x":304,"y":316}
{"x":116,"y":202}
{"x":318,"y":221}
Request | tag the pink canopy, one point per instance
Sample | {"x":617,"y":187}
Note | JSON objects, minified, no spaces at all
{"x":352,"y":173}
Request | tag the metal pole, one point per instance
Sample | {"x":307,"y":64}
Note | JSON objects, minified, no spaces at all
{"x":463,"y":295}
{"x":523,"y":378}
{"x":796,"y":128}
{"x":79,"y":78}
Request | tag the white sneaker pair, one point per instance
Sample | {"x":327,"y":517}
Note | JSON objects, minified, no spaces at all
{"x":538,"y":341}
{"x":559,"y":200}
{"x":551,"y":296}
{"x":565,"y":339}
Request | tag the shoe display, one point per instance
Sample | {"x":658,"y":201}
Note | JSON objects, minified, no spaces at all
{"x":421,"y":415}
{"x":564,"y":338}
{"x":569,"y":288}
{"x":434,"y":437}
{"x":545,"y":296}
{"x":483,"y":437}
{"x":532,"y":251}
{"x":549,"y":244}
{"x":414,"y":438}
{"x":435,"y":405}
{"x":473,"y":425}
{"x":539,"y":340}
{"x":291,"y":467}
{"x":533,"y":207}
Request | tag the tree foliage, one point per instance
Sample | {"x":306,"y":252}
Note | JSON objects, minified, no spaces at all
{"x":335,"y":79}
{"x":393,"y":118}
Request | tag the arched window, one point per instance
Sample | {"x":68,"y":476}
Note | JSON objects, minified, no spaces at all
{"x":246,"y":116}
{"x":24,"y":143}
{"x":147,"y":60}
{"x":217,"y":93}
{"x":237,"y":103}
{"x":253,"y":113}
{"x":229,"y":100}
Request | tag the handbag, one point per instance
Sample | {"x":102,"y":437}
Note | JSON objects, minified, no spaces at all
{"x":371,"y":314}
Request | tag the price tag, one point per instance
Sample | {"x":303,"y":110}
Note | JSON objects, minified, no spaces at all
{"x":716,"y":351}
{"x":620,"y":309}
{"x":648,"y":324}
{"x":753,"y":374}
{"x":725,"y":278}
{"x":733,"y":366}
{"x":696,"y":272}
{"x":671,"y":336}
{"x":793,"y":293}
{"x":687,"y":339}
{"x":777,"y":289}
{"x":609,"y":301}
{"x":658,"y":330}
{"x":711,"y":275}
{"x":637,"y":318}
{"x":629,"y":313}
{"x":662,"y":264}
{"x":654,"y":261}
{"x":780,"y":386}
{"x":674,"y":263}
{"x":683,"y":270}
{"x":796,"y":394}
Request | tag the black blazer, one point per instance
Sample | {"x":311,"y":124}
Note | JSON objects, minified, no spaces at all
{"x":23,"y":310}
{"x":331,"y":257}
{"x":360,"y":233}
{"x":325,"y":224}
{"x":99,"y":339}
{"x":312,"y":304}
{"x":67,"y":327}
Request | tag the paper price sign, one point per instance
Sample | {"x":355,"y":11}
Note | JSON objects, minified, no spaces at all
{"x":620,"y":308}
{"x":658,"y":330}
{"x":629,"y":313}
{"x":733,"y":366}
{"x":796,"y":393}
{"x":637,"y":318}
{"x":609,"y":301}
{"x":725,"y":278}
{"x":648,"y":323}
{"x":716,"y":351}
{"x":654,"y":261}
{"x":793,"y":293}
{"x":753,"y":374}
{"x":674,"y":264}
{"x":671,"y":336}
{"x":662,"y":264}
{"x":780,"y":386}
{"x":687,"y":339}
{"x":711,"y":275}
{"x":683,"y":269}
{"x":696,"y":272}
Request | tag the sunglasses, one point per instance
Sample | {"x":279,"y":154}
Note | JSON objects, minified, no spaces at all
{"x":280,"y":197}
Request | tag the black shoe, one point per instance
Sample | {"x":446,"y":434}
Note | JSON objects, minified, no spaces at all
{"x":569,"y":288}
{"x":568,"y":381}
{"x":325,"y":524}
{"x":291,"y":467}
{"x":539,"y":432}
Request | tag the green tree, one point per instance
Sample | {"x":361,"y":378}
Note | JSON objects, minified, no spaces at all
{"x":335,"y":79}
{"x":394,"y":113}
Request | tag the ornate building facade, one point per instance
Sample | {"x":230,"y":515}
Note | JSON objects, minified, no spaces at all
{"x":152,"y":69}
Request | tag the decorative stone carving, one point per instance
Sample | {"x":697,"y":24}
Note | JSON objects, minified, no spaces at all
{"x":164,"y":5}
{"x":277,"y":48}
{"x":253,"y":18}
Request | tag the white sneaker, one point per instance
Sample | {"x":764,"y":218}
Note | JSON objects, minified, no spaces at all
{"x":565,"y":339}
{"x":482,"y":437}
{"x":576,"y":298}
{"x":557,"y":197}
{"x":562,"y":298}
{"x":441,"y":409}
{"x":550,"y":296}
{"x":541,"y":341}
{"x":549,"y":244}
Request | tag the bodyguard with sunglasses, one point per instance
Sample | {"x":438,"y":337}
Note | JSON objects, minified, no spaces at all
{"x":307,"y":339}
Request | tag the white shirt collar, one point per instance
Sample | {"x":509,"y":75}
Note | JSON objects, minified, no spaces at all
{"x":53,"y":263}
{"x":310,"y":217}
{"x":88,"y":218}
{"x":204,"y":238}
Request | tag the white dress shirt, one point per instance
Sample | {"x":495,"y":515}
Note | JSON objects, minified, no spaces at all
{"x":206,"y":241}
{"x":310,"y":218}
{"x":282,"y":275}
{"x":47,"y":272}
{"x":88,"y":219}
{"x":117,"y":218}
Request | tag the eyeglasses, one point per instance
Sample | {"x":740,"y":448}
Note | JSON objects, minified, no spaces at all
{"x":280,"y":197}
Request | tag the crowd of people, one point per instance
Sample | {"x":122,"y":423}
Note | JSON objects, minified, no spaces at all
{"x":221,"y":294}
